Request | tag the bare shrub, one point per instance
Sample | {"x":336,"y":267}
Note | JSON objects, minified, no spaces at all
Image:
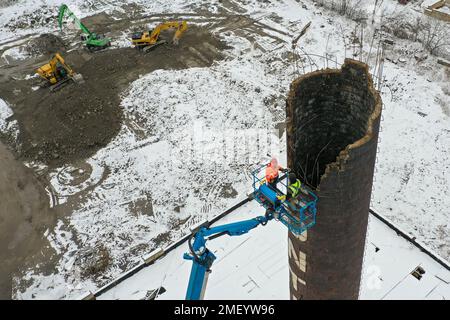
{"x":7,"y":3}
{"x":347,"y":8}
{"x":92,"y":261}
{"x":402,"y":26}
{"x":446,"y":90}
{"x":435,"y":35}
{"x":447,"y":75}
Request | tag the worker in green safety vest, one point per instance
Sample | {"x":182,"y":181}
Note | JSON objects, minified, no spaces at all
{"x":295,"y":187}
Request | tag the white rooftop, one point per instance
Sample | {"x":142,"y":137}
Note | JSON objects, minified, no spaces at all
{"x":255,"y":266}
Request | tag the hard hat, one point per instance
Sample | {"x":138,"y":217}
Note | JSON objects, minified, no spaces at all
{"x":274,"y":162}
{"x":292,"y":177}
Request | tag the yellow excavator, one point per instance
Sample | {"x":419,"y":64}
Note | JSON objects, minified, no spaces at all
{"x":56,"y":73}
{"x":147,"y":40}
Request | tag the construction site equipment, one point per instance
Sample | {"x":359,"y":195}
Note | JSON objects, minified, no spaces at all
{"x":93,"y":41}
{"x":298,"y":216}
{"x":147,"y":40}
{"x":57,"y":73}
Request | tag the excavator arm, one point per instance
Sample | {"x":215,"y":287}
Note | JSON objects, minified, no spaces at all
{"x":148,"y":40}
{"x":57,"y":58}
{"x":181,"y":27}
{"x":63,"y":10}
{"x":92,"y":40}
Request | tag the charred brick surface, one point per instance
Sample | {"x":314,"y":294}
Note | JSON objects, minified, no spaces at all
{"x":332,"y":133}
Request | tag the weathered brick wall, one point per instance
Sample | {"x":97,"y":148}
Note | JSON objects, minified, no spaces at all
{"x":332,"y":133}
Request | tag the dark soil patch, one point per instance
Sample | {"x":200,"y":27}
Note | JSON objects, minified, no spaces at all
{"x":162,"y":239}
{"x":142,"y":206}
{"x":93,"y":261}
{"x":46,"y":44}
{"x":74,"y":122}
{"x":228,"y":191}
{"x":100,"y":22}
{"x":24,"y":216}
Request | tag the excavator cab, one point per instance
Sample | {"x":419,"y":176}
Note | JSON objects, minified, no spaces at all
{"x":297,"y":214}
{"x":137,"y":35}
{"x":61,"y":73}
{"x":145,"y":41}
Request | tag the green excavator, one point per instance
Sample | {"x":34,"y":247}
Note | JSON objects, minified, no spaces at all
{"x":92,"y":40}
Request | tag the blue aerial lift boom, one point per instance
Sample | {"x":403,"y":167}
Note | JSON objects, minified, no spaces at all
{"x":298,"y":216}
{"x":203,"y":258}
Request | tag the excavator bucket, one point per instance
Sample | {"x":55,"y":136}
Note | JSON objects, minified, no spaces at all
{"x":180,"y":30}
{"x":78,"y":78}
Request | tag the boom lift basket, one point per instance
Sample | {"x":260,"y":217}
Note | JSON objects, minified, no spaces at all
{"x":298,"y":215}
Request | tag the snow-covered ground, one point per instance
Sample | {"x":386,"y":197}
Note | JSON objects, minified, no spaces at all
{"x":25,"y":17}
{"x":5,"y":113}
{"x":7,"y":126}
{"x":186,"y":146}
{"x":413,"y":169}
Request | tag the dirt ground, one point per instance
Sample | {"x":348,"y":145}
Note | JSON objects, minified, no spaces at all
{"x":24,"y":217}
{"x":67,"y":126}
{"x":75,"y":121}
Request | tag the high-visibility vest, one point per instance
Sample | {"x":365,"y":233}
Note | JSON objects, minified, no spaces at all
{"x":271,"y":173}
{"x":295,"y":188}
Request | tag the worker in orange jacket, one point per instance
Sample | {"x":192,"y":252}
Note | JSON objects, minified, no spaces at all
{"x":272,"y":170}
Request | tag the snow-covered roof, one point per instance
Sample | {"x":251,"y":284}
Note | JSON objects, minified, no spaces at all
{"x":255,"y":266}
